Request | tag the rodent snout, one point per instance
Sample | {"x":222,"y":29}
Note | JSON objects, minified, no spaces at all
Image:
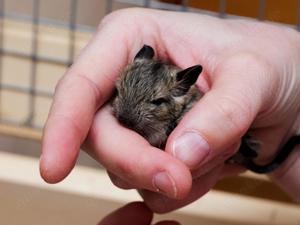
{"x":127,"y":120}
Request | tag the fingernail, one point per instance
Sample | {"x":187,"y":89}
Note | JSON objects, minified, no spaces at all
{"x":164,"y":184}
{"x":191,"y":149}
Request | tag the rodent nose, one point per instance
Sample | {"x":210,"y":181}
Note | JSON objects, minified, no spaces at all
{"x":126,"y":120}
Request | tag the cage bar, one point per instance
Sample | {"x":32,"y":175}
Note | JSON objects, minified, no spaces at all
{"x":1,"y":47}
{"x":25,"y":90}
{"x":109,"y":6}
{"x":261,"y":10}
{"x":34,"y":50}
{"x":38,"y":58}
{"x":147,"y":3}
{"x":184,"y":5}
{"x":222,"y":8}
{"x":72,"y":29}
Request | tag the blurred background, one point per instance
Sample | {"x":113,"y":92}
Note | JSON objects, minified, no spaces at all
{"x":38,"y":41}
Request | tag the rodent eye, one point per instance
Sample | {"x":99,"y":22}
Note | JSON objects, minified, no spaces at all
{"x":159,"y":101}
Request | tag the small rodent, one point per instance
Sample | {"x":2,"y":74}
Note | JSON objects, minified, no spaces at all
{"x":152,"y":96}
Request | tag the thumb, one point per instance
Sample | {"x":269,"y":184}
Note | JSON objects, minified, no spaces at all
{"x":240,"y":86}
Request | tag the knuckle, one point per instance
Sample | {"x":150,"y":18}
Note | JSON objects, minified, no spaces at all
{"x":59,"y":83}
{"x":93,"y":86}
{"x":126,"y":170}
{"x":235,"y":114}
{"x":72,"y":79}
{"x":120,"y":16}
{"x":249,"y":59}
{"x":254,"y":63}
{"x":120,"y":183}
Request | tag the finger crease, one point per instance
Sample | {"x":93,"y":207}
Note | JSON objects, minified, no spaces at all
{"x":73,"y":122}
{"x":96,"y":89}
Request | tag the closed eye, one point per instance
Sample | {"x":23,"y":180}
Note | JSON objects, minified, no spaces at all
{"x":159,"y":101}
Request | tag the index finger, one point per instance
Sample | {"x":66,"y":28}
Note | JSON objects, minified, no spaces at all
{"x":83,"y":89}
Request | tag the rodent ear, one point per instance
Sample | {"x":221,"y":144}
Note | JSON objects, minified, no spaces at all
{"x":186,"y":78}
{"x":146,"y":52}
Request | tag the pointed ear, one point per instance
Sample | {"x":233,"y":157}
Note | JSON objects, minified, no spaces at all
{"x":146,"y":52}
{"x":186,"y":78}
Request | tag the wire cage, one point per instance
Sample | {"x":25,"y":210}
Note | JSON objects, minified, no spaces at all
{"x":39,"y":39}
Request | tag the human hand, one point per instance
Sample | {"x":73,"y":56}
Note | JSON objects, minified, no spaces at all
{"x":250,"y":78}
{"x":135,"y":213}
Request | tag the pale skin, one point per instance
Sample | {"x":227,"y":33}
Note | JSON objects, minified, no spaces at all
{"x":251,"y":79}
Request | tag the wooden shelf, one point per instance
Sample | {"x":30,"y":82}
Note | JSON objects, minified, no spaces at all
{"x":248,"y":184}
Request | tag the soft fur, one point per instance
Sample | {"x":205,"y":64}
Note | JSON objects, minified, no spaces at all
{"x":152,"y":96}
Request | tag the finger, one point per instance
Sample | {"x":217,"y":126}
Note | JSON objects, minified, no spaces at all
{"x":83,"y":89}
{"x":135,"y":213}
{"x":162,"y":204}
{"x":239,"y":88}
{"x":129,"y":156}
{"x":119,"y":182}
{"x":232,"y":170}
{"x":215,"y":162}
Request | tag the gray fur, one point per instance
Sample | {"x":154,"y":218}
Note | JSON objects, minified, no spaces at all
{"x":141,"y":83}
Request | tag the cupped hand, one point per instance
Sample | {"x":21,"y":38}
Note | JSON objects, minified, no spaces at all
{"x":251,"y":79}
{"x":135,"y":213}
